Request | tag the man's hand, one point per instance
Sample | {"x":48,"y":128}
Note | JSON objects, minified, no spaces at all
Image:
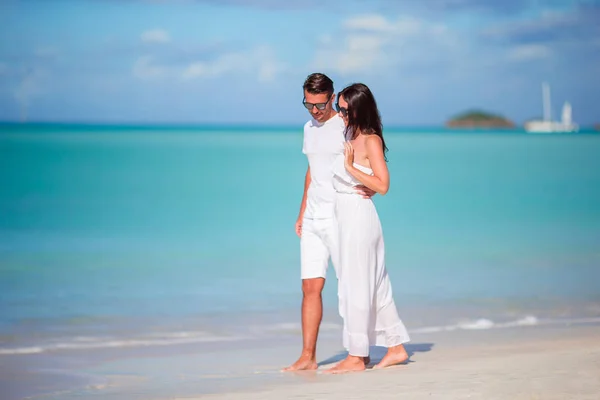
{"x":364,"y":191}
{"x":299,"y":227}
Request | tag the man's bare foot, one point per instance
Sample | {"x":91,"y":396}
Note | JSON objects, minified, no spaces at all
{"x":349,"y":364}
{"x":395,"y":355}
{"x":304,"y":363}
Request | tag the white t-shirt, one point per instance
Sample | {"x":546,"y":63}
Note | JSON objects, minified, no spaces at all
{"x":322,"y":143}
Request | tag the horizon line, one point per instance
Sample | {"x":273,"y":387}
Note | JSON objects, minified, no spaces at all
{"x":251,"y":125}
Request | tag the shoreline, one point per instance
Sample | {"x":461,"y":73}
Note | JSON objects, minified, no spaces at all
{"x":70,"y":337}
{"x":488,"y":358}
{"x":527,"y":363}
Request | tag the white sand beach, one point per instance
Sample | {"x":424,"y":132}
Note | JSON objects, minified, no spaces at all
{"x":524,"y":364}
{"x":529,"y":363}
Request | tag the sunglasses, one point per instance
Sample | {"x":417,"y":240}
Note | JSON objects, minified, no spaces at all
{"x":320,"y":106}
{"x":342,"y":110}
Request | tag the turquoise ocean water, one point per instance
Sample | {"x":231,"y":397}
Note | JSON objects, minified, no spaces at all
{"x":138,"y":236}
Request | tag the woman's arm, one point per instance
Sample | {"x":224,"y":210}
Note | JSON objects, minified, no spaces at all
{"x":380,"y":180}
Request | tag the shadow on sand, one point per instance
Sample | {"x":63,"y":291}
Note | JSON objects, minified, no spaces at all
{"x":377,"y":353}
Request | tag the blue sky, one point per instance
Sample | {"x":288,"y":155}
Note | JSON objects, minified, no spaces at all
{"x":244,"y":61}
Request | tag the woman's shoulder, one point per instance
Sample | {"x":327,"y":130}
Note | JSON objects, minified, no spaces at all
{"x":372,"y":139}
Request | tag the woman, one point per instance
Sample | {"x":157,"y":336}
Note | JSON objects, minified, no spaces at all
{"x":365,"y":292}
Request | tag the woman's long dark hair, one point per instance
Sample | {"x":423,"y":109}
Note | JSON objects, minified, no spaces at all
{"x":363,"y":115}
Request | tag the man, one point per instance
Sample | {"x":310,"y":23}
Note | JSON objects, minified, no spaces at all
{"x":323,"y":141}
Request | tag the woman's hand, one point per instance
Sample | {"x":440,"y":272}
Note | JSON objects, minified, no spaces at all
{"x":348,"y":155}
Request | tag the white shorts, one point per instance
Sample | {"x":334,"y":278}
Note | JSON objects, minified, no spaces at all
{"x":318,"y":244}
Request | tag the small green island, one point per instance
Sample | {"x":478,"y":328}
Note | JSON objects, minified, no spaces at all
{"x":479,"y":119}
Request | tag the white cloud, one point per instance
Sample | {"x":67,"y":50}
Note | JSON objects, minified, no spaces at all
{"x":30,"y":78}
{"x":325,"y":40}
{"x":360,"y":52}
{"x":374,"y":42}
{"x":28,"y":88}
{"x":155,"y":36}
{"x":372,"y":22}
{"x":401,"y":27}
{"x":547,"y":22}
{"x":222,"y":65}
{"x":259,"y":61}
{"x":269,"y":67}
{"x":529,"y":52}
{"x":145,"y":68}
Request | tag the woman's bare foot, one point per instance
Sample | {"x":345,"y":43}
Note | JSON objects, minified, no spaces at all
{"x":395,"y":355}
{"x":304,"y":363}
{"x":349,"y":364}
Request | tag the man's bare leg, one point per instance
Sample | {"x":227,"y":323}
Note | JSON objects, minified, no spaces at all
{"x":312,"y":313}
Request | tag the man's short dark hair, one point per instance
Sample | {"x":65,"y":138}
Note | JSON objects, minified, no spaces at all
{"x":318,"y":83}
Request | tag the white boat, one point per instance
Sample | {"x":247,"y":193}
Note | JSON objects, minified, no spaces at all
{"x":546,"y":125}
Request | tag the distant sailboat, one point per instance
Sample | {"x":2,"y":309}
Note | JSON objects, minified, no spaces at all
{"x":547,"y":125}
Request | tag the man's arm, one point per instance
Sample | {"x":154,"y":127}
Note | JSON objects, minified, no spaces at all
{"x":303,"y":204}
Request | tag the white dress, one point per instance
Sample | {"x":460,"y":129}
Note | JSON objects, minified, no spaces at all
{"x":364,"y":288}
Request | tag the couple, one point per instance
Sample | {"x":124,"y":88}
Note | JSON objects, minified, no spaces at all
{"x":338,"y":220}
